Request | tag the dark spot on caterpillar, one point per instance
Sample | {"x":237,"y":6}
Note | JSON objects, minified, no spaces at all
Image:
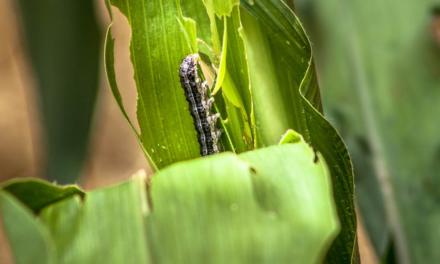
{"x":196,"y":93}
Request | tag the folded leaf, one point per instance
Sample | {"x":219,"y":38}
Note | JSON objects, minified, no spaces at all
{"x":36,"y":194}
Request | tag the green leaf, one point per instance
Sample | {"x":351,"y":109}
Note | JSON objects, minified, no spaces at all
{"x":64,"y":40}
{"x":222,"y":67}
{"x":221,"y":7}
{"x":28,"y":238}
{"x":291,"y":136}
{"x":235,"y":84}
{"x":167,"y":130}
{"x":380,"y":70}
{"x":197,"y":11}
{"x":286,"y":96}
{"x":63,"y":219}
{"x":110,"y":218}
{"x":36,"y":194}
{"x":75,"y":230}
{"x":237,"y":90}
{"x":267,"y":206}
{"x":272,"y":205}
{"x":111,"y":77}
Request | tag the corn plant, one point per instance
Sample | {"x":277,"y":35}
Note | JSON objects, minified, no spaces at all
{"x":278,"y":187}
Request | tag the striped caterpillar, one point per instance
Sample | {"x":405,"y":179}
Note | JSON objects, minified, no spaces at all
{"x":200,"y":103}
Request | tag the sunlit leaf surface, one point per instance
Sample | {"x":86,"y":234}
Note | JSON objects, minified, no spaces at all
{"x":272,"y":205}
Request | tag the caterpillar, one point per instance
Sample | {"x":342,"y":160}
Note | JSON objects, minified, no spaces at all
{"x":200,"y":104}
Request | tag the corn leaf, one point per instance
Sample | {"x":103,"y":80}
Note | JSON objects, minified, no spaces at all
{"x":158,"y":46}
{"x":272,"y":205}
{"x":80,"y":230}
{"x":286,"y":95}
{"x":258,"y":207}
{"x":29,"y":240}
{"x":37,"y":194}
{"x":63,"y":40}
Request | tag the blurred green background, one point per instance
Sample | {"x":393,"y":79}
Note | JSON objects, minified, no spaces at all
{"x":379,"y":69}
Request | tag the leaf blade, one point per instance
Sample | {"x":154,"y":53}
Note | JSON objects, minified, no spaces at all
{"x":220,"y":203}
{"x":37,"y":194}
{"x":167,"y":130}
{"x":29,"y":240}
{"x":279,"y":31}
